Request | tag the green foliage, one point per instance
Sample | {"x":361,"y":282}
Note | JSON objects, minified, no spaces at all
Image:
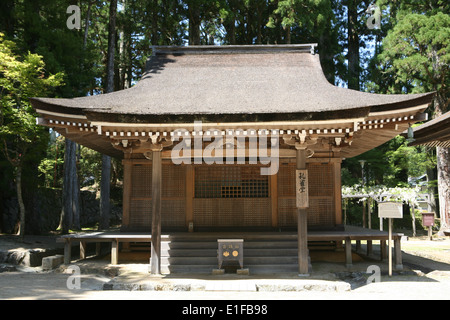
{"x":414,"y":160}
{"x":21,"y":79}
{"x":90,"y":167}
{"x":410,"y":53}
{"x":51,"y":166}
{"x":418,"y":49}
{"x":390,"y":164}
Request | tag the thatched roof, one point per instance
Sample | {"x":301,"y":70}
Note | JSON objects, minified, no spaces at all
{"x":226,"y":83}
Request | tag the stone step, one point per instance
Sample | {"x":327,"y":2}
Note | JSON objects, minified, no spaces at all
{"x":213,"y":244}
{"x":213,"y":260}
{"x":213,"y":252}
{"x":198,"y":254}
{"x":253,"y":269}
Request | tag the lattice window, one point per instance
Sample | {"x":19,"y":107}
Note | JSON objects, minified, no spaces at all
{"x":230,"y":182}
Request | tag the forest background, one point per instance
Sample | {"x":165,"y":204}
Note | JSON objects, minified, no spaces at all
{"x":384,"y":46}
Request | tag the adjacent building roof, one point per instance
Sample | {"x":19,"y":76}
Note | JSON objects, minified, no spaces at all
{"x":434,"y":133}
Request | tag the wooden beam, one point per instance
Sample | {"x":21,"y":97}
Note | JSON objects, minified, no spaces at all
{"x":155,"y":259}
{"x":302,"y":227}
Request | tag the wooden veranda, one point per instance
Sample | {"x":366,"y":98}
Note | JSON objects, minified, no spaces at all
{"x":266,"y":239}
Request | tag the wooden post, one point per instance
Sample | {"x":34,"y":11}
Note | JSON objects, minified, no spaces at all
{"x":383,"y":248}
{"x":364,"y":214}
{"x":67,"y":251}
{"x":274,"y":199}
{"x":337,"y":192}
{"x":155,"y":259}
{"x":369,"y":248}
{"x":389,"y":246}
{"x":189,"y":194}
{"x":126,"y":203}
{"x":127,"y":172}
{"x":348,"y":253}
{"x":115,"y":252}
{"x":82,"y":250}
{"x":398,"y":254}
{"x":302,"y":228}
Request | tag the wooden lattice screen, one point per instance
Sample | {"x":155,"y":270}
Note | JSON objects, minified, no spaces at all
{"x":231,"y":196}
{"x":321,"y":210}
{"x":173,"y":196}
{"x":227,"y":196}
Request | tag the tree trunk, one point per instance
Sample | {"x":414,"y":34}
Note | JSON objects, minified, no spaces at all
{"x":105,"y":207}
{"x":443,"y":171}
{"x":259,"y":25}
{"x":21,"y":231}
{"x":432,"y":191}
{"x":111,"y":46}
{"x":443,"y":163}
{"x":194,"y":24}
{"x":76,"y":224}
{"x":413,"y":218}
{"x":86,"y":23}
{"x":353,"y":46}
{"x":67,"y":209}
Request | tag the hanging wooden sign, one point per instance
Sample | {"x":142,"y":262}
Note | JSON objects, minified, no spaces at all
{"x":301,"y":186}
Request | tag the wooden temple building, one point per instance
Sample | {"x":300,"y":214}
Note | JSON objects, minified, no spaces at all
{"x":232,"y":138}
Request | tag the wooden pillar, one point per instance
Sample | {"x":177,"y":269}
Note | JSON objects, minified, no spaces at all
{"x":155,"y":259}
{"x":302,"y":227}
{"x":274,"y":199}
{"x":126,"y":203}
{"x":348,"y":253}
{"x":127,"y":172}
{"x":337,"y":192}
{"x":398,"y":253}
{"x":383,"y":250}
{"x":82,"y":250}
{"x":369,"y":248}
{"x":67,"y":251}
{"x":115,"y":252}
{"x":189,"y":193}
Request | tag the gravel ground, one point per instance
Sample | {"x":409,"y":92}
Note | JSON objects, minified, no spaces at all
{"x":426,"y":275}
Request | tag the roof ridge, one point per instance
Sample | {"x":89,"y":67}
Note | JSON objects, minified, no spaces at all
{"x":215,"y":49}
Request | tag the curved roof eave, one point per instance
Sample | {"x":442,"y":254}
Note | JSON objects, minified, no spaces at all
{"x":252,"y":83}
